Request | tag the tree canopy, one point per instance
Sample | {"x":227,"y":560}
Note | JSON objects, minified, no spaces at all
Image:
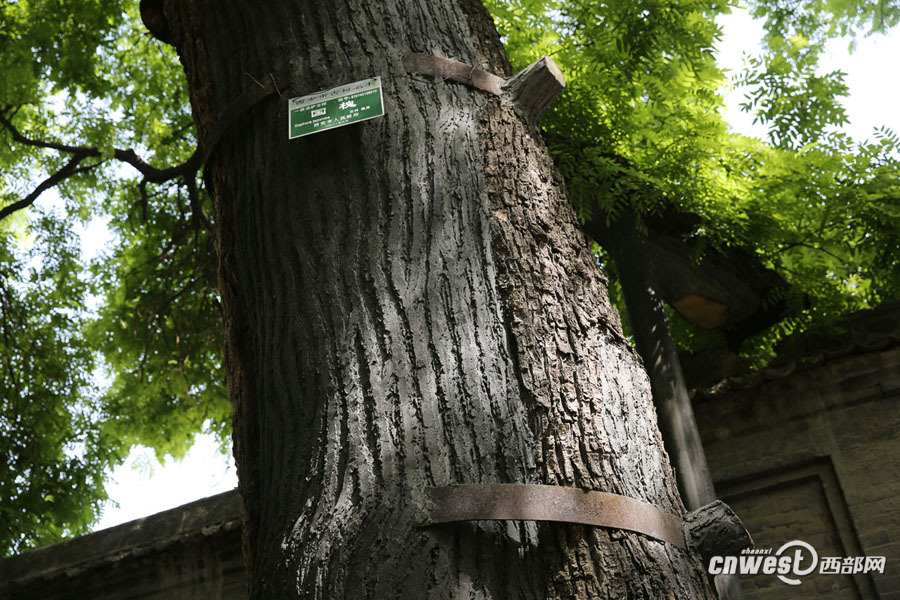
{"x":124,"y":348}
{"x":88,"y":102}
{"x":640,"y":125}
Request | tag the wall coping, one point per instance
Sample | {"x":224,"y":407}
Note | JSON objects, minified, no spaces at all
{"x":199,"y":519}
{"x":873,"y":330}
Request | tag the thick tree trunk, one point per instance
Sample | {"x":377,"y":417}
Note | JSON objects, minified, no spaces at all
{"x":409,"y":302}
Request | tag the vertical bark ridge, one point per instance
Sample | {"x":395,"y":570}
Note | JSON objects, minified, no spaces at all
{"x":185,"y":19}
{"x":377,"y":375}
{"x":590,"y":400}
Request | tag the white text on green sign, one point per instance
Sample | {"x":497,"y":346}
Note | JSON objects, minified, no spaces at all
{"x":336,"y":107}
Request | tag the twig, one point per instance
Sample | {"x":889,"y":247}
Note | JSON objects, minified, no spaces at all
{"x":196,"y":205}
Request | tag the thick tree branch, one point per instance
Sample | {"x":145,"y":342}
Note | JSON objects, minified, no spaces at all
{"x":19,"y":137}
{"x":70,"y":168}
{"x":151,"y":174}
{"x":154,"y":175}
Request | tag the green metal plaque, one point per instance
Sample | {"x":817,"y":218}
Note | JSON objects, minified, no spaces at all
{"x":336,"y":107}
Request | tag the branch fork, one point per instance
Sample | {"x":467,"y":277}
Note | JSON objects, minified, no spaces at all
{"x":151,"y":174}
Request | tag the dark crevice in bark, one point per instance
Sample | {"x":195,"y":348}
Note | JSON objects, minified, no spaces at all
{"x":485,"y":38}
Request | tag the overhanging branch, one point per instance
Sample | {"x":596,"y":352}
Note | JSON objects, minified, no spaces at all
{"x":151,"y":174}
{"x":70,"y":168}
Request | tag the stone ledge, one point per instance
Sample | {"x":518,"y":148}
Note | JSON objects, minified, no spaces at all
{"x":200,"y":519}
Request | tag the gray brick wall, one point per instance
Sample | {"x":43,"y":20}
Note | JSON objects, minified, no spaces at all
{"x":192,"y":552}
{"x":814,"y":455}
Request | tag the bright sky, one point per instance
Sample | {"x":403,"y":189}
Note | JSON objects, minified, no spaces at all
{"x":205,"y":471}
{"x":142,"y":486}
{"x":873,"y":84}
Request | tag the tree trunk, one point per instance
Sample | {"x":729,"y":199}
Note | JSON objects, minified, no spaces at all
{"x":409,"y":302}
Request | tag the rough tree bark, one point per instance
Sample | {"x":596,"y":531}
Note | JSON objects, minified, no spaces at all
{"x":409,"y":302}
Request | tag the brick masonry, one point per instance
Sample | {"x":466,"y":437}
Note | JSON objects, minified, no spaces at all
{"x":192,"y":552}
{"x":814,"y":455}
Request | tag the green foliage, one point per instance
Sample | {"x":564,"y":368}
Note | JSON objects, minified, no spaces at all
{"x":640,"y":107}
{"x":160,"y":330}
{"x":824,"y":19}
{"x":786,"y":93}
{"x":87,"y":74}
{"x":53,"y":456}
{"x":786,"y":90}
{"x":639,"y":126}
{"x":825,"y":217}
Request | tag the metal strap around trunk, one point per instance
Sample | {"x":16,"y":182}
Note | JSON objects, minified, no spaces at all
{"x":447,"y":68}
{"x":270,"y":84}
{"x":494,"y":501}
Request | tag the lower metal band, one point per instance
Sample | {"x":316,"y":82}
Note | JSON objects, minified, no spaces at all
{"x":477,"y":502}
